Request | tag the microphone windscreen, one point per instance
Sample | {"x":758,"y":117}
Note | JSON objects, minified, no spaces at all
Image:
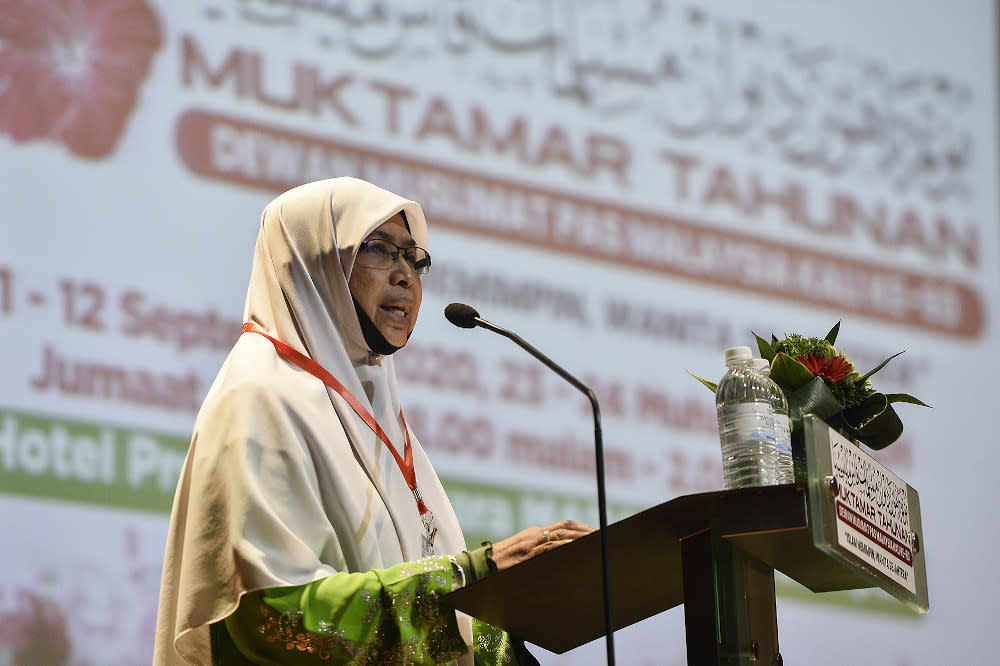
{"x":461,"y":315}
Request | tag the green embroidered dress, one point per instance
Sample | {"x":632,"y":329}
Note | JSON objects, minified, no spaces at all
{"x":379,"y":617}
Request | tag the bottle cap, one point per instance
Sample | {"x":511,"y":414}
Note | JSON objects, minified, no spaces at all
{"x":741,"y":353}
{"x":759,"y":364}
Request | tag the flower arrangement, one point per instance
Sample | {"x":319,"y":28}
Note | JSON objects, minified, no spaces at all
{"x":818,"y":379}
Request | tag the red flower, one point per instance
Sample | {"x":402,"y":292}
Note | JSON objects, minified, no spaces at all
{"x":70,"y":69}
{"x":832,"y":369}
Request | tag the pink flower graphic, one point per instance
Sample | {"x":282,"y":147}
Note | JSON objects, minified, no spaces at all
{"x":35,"y":633}
{"x":70,"y":69}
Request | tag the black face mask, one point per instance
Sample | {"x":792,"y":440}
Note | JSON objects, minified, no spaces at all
{"x":376,"y":341}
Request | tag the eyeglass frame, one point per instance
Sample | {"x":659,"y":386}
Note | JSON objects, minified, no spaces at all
{"x":400,"y":250}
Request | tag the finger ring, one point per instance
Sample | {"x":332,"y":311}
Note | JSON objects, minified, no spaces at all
{"x":545,"y":535}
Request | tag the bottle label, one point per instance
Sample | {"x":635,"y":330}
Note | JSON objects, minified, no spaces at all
{"x":782,"y":433}
{"x":747,"y":421}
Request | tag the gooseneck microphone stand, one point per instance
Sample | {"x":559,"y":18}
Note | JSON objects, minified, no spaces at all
{"x":465,"y":316}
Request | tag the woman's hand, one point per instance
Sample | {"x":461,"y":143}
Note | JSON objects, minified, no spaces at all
{"x":534,"y":540}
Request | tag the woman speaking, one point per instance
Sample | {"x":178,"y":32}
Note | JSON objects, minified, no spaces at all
{"x":308,"y":524}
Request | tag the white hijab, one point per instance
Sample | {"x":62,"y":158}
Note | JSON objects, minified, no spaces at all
{"x":283,"y":483}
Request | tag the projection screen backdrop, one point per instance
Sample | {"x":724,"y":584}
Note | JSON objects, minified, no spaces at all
{"x":631,"y":186}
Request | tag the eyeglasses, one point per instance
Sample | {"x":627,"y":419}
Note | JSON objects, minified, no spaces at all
{"x":382,"y":254}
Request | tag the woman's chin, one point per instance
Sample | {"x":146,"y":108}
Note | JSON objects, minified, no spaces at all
{"x":394,"y":336}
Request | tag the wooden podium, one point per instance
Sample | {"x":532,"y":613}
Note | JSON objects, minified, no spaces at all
{"x":716,"y":553}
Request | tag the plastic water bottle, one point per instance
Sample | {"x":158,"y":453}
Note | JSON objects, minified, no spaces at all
{"x":746,"y":423}
{"x":784,"y":470}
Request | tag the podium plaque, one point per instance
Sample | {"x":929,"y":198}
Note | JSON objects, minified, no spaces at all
{"x":865,"y":516}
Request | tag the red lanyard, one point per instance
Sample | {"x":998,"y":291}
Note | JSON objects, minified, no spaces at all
{"x":321,"y":373}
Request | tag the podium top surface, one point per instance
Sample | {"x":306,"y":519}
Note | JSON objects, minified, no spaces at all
{"x":555,"y":600}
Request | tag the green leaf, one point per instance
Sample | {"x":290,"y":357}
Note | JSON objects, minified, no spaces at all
{"x":789,"y":374}
{"x":905,"y":397}
{"x":766,"y":350}
{"x":711,"y":385}
{"x":831,"y":337}
{"x":874,"y":422}
{"x":813,"y":397}
{"x":881,"y":365}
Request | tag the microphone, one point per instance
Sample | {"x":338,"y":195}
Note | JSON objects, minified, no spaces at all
{"x":462,"y":315}
{"x":466,"y":316}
